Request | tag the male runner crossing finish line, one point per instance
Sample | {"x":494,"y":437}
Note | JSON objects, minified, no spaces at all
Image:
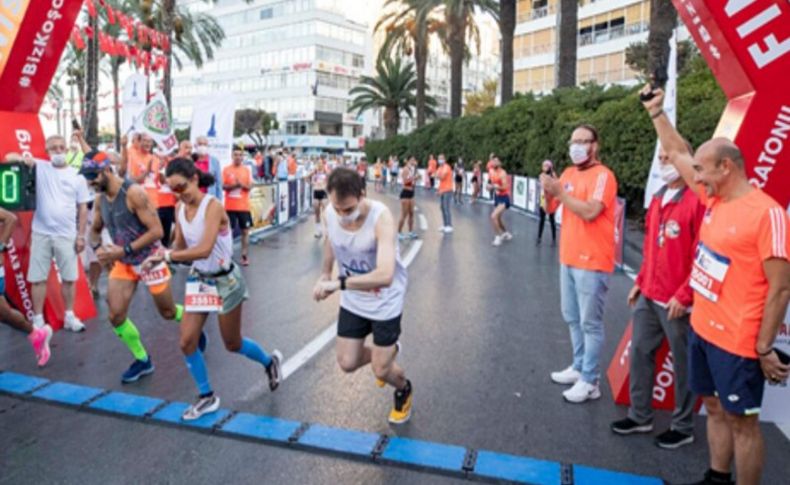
{"x":125,"y":209}
{"x":361,"y":237}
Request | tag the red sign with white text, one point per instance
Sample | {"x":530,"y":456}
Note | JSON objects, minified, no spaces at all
{"x":747,"y":45}
{"x":31,"y":43}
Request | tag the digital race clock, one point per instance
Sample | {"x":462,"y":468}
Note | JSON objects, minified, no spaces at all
{"x":17,"y":187}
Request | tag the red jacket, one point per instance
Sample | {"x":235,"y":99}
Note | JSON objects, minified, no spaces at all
{"x":671,"y":237}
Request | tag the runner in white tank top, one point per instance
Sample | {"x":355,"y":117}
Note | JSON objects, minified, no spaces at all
{"x":361,"y":237}
{"x":215,"y":284}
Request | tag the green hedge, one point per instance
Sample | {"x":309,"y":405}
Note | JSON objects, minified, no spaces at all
{"x":531,"y":129}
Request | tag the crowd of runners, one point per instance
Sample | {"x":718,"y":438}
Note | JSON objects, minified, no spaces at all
{"x":715,"y":279}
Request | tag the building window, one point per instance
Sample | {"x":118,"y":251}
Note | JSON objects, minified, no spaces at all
{"x":266,"y":13}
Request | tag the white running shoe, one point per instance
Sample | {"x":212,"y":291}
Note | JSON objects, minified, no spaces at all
{"x":582,"y":391}
{"x":448,"y":229}
{"x":497,"y":241}
{"x":507,"y":236}
{"x":204,"y":405}
{"x":443,"y":229}
{"x":567,"y":376}
{"x":72,"y":323}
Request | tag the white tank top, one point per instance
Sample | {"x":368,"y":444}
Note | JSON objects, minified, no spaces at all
{"x":355,"y":253}
{"x":221,"y":255}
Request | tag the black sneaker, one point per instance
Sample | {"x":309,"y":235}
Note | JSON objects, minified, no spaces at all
{"x":273,"y":370}
{"x":710,"y":479}
{"x":671,"y":439}
{"x":629,"y":426}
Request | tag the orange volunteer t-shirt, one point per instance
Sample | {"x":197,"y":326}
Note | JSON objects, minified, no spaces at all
{"x":727,"y":276}
{"x":589,"y":245}
{"x":138,"y":164}
{"x":499,"y":177}
{"x":432,"y":166}
{"x":237,"y":199}
{"x":165,"y":196}
{"x":445,"y":176}
{"x":292,"y":166}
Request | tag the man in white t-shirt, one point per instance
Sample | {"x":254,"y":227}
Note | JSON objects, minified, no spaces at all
{"x":58,"y":229}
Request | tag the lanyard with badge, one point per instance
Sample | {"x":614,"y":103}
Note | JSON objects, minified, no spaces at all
{"x":202,"y":295}
{"x":708,"y":272}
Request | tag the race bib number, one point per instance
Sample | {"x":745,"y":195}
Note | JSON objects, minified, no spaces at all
{"x":202,"y":296}
{"x":155,"y":276}
{"x":708,"y":272}
{"x":150,"y":181}
{"x":235,"y":194}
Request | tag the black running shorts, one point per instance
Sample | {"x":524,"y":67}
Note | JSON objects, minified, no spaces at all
{"x":319,"y":194}
{"x":242,"y":218}
{"x":406,"y":194}
{"x":385,"y":332}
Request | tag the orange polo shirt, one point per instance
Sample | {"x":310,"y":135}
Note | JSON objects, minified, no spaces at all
{"x":445,"y":176}
{"x":237,"y":199}
{"x":589,"y":245}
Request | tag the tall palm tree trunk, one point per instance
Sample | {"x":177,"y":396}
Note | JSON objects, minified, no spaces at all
{"x":421,"y":63}
{"x":116,"y":67}
{"x":457,"y":26}
{"x":90,"y":122}
{"x":566,"y":47}
{"x":391,"y":122}
{"x":168,"y":22}
{"x":663,"y":18}
{"x":507,"y":27}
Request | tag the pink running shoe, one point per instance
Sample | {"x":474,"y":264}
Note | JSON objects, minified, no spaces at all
{"x":39,"y":338}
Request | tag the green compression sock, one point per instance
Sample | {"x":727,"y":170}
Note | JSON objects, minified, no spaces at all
{"x":179,"y":313}
{"x":128,"y":333}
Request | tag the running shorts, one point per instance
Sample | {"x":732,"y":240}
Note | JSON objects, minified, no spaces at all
{"x":242,"y":218}
{"x":385,"y":332}
{"x":737,"y":381}
{"x":502,"y":200}
{"x":319,"y":194}
{"x":407,"y":194}
{"x":157,"y":280}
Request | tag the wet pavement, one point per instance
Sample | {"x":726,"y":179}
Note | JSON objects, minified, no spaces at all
{"x":482,"y":330}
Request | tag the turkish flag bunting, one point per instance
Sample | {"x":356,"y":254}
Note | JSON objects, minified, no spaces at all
{"x":110,"y":15}
{"x":89,"y":32}
{"x":76,"y":39}
{"x":91,"y":8}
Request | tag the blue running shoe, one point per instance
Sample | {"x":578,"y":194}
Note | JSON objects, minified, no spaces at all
{"x":138,"y":369}
{"x":203,"y":342}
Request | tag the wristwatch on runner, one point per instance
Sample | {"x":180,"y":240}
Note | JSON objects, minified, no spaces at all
{"x":342,"y":280}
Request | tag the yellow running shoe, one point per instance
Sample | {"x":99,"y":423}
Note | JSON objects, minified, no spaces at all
{"x":379,"y":382}
{"x":401,"y":412}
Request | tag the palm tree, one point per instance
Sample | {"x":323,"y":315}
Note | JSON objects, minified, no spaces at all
{"x":460,"y":26}
{"x":408,"y":32}
{"x":393,"y":89}
{"x":663,"y":18}
{"x":90,"y":120}
{"x":566,"y":47}
{"x":193,"y":36}
{"x":507,"y":28}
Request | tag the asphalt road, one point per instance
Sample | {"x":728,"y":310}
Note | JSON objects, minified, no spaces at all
{"x":482,"y":330}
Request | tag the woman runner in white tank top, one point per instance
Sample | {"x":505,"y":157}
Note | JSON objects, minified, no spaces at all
{"x":215,"y":284}
{"x":361,"y":238}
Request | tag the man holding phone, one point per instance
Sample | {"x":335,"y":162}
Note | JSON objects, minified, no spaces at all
{"x":741,"y":279}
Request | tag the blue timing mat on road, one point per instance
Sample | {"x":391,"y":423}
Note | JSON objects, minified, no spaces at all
{"x":426,"y":456}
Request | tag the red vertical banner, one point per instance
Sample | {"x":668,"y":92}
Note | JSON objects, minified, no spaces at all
{"x":31,"y":43}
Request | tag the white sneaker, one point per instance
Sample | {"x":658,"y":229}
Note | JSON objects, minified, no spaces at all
{"x":72,"y":323}
{"x":497,"y":241}
{"x":507,"y":236}
{"x":441,"y":229}
{"x":567,"y":376}
{"x":582,"y":391}
{"x":448,"y":229}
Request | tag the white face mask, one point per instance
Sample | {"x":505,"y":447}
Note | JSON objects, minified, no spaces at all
{"x":202,"y":150}
{"x":669,"y":173}
{"x":579,"y":153}
{"x":441,"y":161}
{"x":58,"y":159}
{"x":351,"y":218}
